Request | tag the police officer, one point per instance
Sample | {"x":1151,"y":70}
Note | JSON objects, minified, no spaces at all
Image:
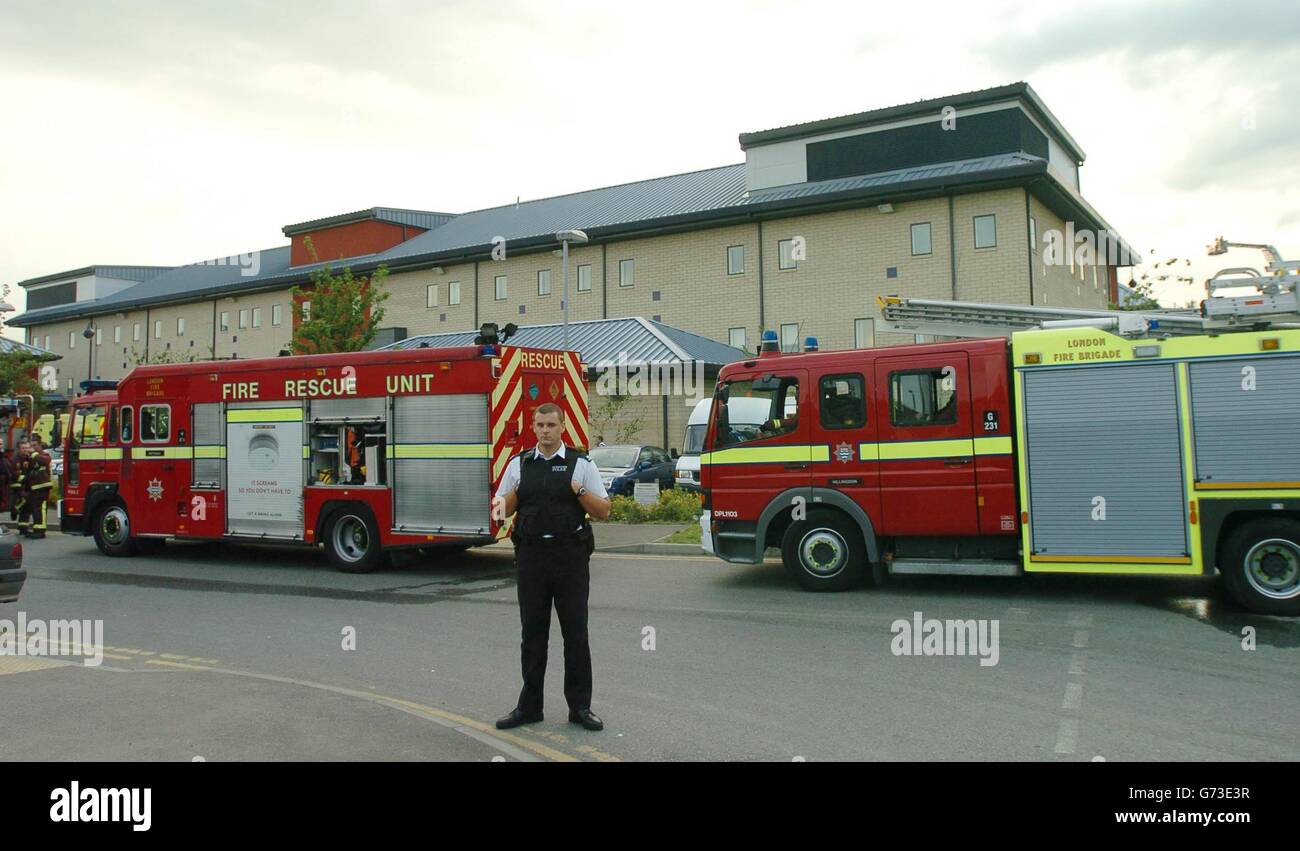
{"x":553,"y":487}
{"x":38,"y":490}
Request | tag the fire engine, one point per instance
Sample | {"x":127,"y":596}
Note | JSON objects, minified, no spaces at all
{"x":360,"y":453}
{"x":1076,"y":441}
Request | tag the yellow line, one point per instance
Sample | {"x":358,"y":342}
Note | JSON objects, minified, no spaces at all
{"x":177,"y":665}
{"x":1214,"y":486}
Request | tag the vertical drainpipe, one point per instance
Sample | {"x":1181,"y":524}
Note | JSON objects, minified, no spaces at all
{"x":665,"y":443}
{"x":952,"y":245}
{"x":761,"y":316}
{"x":1031,"y":248}
{"x":476,"y":322}
{"x":214,"y":329}
{"x":148,"y":330}
{"x":604,"y":280}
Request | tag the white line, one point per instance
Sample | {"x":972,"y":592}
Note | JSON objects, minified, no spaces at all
{"x":1081,"y":638}
{"x":1073,"y":696}
{"x":1067,"y":735}
{"x":1079,"y":663}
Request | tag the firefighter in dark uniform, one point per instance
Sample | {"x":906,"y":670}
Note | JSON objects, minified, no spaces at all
{"x":553,"y":488}
{"x":17,"y":487}
{"x":38,"y":488}
{"x":6,"y":476}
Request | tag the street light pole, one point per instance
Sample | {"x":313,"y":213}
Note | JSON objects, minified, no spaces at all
{"x":565,"y":237}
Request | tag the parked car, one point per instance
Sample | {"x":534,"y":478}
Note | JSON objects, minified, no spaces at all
{"x":623,"y":465}
{"x":12,"y":575}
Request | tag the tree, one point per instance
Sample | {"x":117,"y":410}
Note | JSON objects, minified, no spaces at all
{"x":19,"y":375}
{"x":345,"y":310}
{"x":611,"y":419}
{"x":1143,"y":295}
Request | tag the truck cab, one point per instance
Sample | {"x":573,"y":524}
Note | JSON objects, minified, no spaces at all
{"x":859,"y":458}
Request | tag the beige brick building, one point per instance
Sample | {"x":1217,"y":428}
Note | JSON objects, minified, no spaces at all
{"x":800,"y":238}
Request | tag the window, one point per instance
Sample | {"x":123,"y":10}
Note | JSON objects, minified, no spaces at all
{"x":275,"y":314}
{"x":257,"y":317}
{"x":544,"y":282}
{"x":736,"y":337}
{"x":99,"y":332}
{"x":431,"y":296}
{"x":921,"y":239}
{"x":453,"y":292}
{"x":157,"y":329}
{"x":1033,"y":234}
{"x":757,"y":409}
{"x":127,"y":424}
{"x":986,"y":232}
{"x":735,"y":259}
{"x":155,"y":423}
{"x":499,"y":285}
{"x":225,"y":320}
{"x":843,"y":401}
{"x":117,"y":333}
{"x":785,"y":255}
{"x":790,"y":337}
{"x":180,"y":325}
{"x":135,"y":332}
{"x":306,"y":310}
{"x":584,"y":278}
{"x":72,"y":339}
{"x":864,"y":333}
{"x":112,"y":424}
{"x":69,"y":386}
{"x":922,"y":397}
{"x":243,"y":323}
{"x":87,"y":423}
{"x":626,"y":273}
{"x":47,"y":342}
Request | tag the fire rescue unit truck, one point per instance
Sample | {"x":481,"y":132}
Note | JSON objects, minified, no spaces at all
{"x":358,"y":452}
{"x":1093,"y":442}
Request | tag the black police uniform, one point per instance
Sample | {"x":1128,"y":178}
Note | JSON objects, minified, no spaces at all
{"x":553,"y":546}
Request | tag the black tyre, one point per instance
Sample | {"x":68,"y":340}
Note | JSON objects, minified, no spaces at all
{"x":825,"y":552}
{"x":112,"y":530}
{"x":352,"y":541}
{"x":1261,"y":566}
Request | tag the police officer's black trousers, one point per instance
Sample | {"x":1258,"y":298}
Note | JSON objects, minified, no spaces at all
{"x":558,"y":573}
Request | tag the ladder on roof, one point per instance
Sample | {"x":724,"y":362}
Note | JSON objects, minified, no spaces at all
{"x":1275,"y":304}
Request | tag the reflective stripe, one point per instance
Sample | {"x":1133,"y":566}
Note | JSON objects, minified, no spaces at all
{"x":306,"y":451}
{"x":439,"y":450}
{"x":912,"y":450}
{"x":1207,"y":486}
{"x":264,"y":415}
{"x":209,"y":452}
{"x":156,"y":453}
{"x":768,"y":455}
{"x":113,"y":453}
{"x":46,"y":485}
{"x":868,"y":451}
{"x":992,"y":446}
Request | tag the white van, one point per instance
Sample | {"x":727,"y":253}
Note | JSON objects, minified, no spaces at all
{"x":687,"y":472}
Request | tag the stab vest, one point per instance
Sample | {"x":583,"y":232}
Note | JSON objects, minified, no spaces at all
{"x":547,"y":503}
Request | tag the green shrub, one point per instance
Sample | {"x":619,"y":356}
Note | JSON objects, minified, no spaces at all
{"x":676,"y":506}
{"x":625,"y":509}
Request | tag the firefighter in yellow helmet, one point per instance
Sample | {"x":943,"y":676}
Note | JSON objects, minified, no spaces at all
{"x":39,"y":486}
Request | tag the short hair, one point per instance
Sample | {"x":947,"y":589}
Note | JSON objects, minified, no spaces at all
{"x":549,"y":408}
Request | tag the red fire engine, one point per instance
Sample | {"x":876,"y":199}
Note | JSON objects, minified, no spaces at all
{"x":1091,"y":442}
{"x":358,"y":452}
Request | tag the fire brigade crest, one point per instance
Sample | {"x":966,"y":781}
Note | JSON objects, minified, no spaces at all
{"x":534,"y":391}
{"x":844,"y":453}
{"x":155,"y":489}
{"x":555,"y":389}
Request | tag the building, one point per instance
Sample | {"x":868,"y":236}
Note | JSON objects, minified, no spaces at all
{"x":953,"y":197}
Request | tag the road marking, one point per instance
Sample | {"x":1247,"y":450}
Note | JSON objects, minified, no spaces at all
{"x":21,"y":665}
{"x":167,"y":664}
{"x":1066,"y":736}
{"x":1079,"y":664}
{"x":1081,"y":638}
{"x":1073,"y":696}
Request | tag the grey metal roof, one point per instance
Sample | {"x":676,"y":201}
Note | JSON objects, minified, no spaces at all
{"x":8,"y":346}
{"x":930,"y":106}
{"x":416,"y":218}
{"x":601,"y":342}
{"x":125,"y":273}
{"x":645,"y":200}
{"x":978,"y":166}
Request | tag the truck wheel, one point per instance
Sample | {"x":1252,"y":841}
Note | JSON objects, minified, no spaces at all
{"x":824,"y":552}
{"x":112,"y":531}
{"x":1261,"y":566}
{"x":352,"y":541}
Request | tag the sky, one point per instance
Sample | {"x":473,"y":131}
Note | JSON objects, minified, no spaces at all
{"x":146,"y":133}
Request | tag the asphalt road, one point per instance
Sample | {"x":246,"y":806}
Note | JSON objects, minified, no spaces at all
{"x":222,"y":652}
